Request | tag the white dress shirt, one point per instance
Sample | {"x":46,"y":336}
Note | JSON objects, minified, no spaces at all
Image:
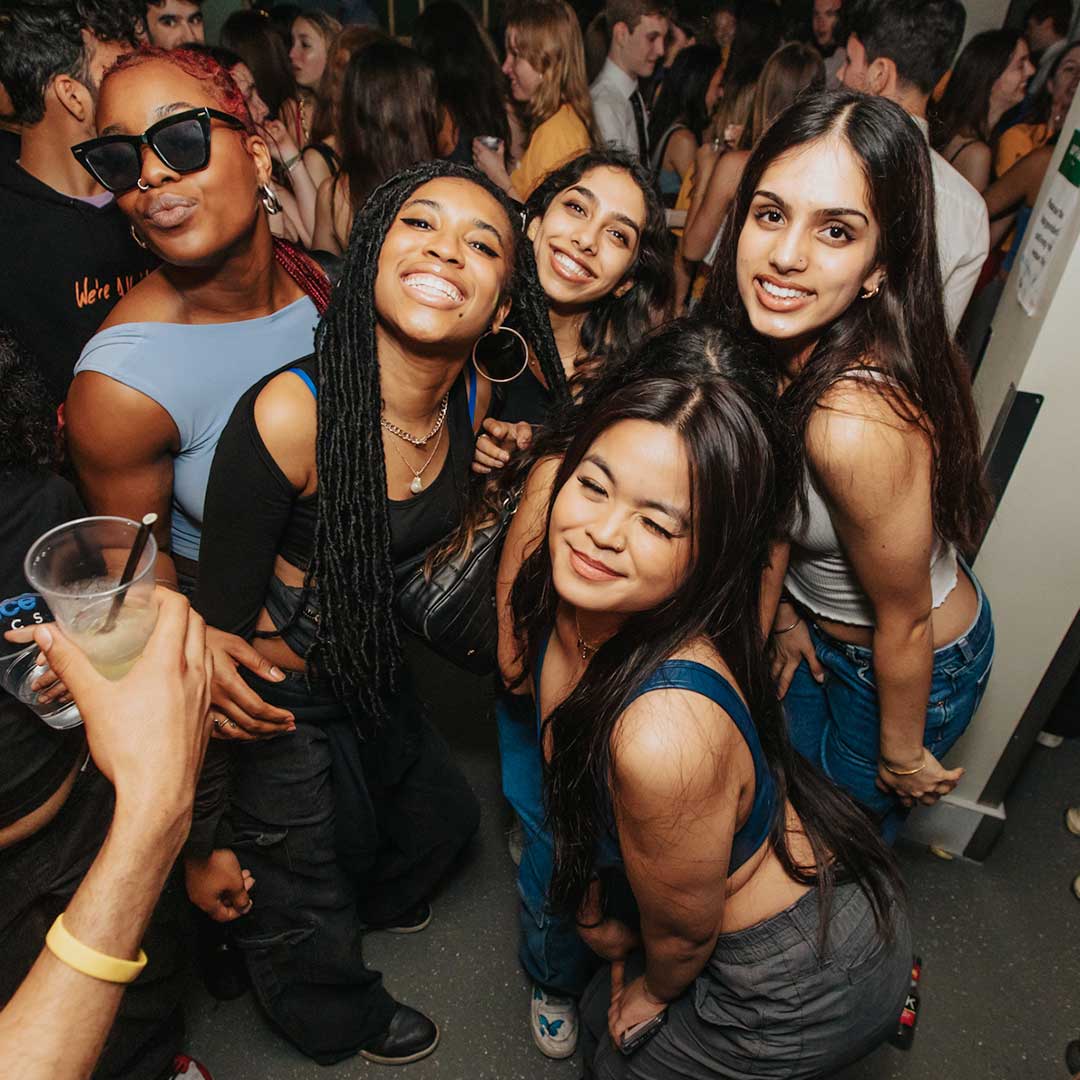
{"x":611,"y":93}
{"x":963,"y":233}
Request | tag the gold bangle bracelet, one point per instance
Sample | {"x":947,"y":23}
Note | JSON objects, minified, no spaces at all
{"x":98,"y":965}
{"x":902,"y":772}
{"x":787,"y":628}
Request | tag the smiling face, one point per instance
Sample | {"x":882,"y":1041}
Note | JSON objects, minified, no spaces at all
{"x":245,"y":81}
{"x":809,"y":242}
{"x":189,"y":219}
{"x":641,"y":48}
{"x":587,"y":240}
{"x":307,"y":56}
{"x":444,"y":267}
{"x":1063,"y":85}
{"x":620,"y":536}
{"x":1011,"y":85}
{"x":174,"y":22}
{"x":524,"y":79}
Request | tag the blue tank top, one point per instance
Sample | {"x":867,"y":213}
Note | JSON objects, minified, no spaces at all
{"x":690,"y":675}
{"x":197,"y":373}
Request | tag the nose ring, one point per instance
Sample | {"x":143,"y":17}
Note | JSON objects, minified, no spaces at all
{"x":141,"y":186}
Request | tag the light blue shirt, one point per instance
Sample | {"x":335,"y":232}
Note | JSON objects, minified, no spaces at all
{"x":197,"y":373}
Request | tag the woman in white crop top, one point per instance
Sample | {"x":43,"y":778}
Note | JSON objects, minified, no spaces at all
{"x":883,"y":642}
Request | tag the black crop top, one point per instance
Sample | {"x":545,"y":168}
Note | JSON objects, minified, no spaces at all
{"x":253,"y":513}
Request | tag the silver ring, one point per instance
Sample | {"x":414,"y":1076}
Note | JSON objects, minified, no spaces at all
{"x":215,"y":719}
{"x":140,"y":186}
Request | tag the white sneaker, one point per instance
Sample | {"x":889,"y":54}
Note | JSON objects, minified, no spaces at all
{"x":1072,"y":820}
{"x":1049,"y":740}
{"x":554,"y":1023}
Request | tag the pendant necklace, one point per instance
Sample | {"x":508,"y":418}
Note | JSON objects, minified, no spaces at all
{"x":417,"y":484}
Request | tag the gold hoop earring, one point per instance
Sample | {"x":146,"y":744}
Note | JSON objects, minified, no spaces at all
{"x":269,"y":200}
{"x":501,"y":350}
{"x":138,"y":239}
{"x":864,"y":295}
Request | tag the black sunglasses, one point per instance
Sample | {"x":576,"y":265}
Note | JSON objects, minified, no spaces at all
{"x":182,"y":141}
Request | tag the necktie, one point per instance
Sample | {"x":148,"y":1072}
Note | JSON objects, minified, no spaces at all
{"x":638,"y":105}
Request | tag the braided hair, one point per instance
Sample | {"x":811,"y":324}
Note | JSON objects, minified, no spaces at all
{"x":358,"y":645}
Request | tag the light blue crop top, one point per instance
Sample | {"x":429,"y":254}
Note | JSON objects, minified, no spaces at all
{"x":197,"y":373}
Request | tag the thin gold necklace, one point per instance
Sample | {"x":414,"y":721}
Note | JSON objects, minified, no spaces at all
{"x":583,"y":646}
{"x":417,"y":484}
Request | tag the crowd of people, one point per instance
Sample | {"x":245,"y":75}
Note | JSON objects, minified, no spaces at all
{"x":677,"y":313}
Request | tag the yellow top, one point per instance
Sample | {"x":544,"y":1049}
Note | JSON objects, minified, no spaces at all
{"x":559,"y":139}
{"x":1017,"y":142}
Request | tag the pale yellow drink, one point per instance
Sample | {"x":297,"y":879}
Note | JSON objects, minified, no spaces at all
{"x":114,"y":652}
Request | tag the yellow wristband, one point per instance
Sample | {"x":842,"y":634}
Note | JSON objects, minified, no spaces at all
{"x":89,"y":961}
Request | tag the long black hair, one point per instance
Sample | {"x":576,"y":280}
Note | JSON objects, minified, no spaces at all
{"x":471,"y":85}
{"x":902,"y":330}
{"x":614,"y":324}
{"x":357,"y":644}
{"x":698,"y":386}
{"x":683,"y":96}
{"x":964,"y":108}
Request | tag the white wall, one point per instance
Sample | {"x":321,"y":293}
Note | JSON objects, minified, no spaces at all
{"x":984,"y":15}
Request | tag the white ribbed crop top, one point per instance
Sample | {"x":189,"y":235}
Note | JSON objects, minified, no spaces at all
{"x":820,"y":575}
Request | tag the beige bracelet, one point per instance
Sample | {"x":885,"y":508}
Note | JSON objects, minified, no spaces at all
{"x":902,"y":772}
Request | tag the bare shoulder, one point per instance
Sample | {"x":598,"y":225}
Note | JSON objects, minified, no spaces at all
{"x":110,"y":421}
{"x":857,"y":441}
{"x":674,"y":743}
{"x":286,"y":416}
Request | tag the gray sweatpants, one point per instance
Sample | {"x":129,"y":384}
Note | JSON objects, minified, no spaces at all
{"x":768,"y":1004}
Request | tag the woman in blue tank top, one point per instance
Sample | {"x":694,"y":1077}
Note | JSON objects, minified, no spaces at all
{"x":636,"y":617}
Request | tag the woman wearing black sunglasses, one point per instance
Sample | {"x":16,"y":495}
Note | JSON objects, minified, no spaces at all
{"x":154,"y":387}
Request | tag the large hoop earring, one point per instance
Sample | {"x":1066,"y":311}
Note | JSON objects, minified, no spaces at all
{"x":270,"y":200}
{"x":138,"y":239}
{"x":494,"y":334}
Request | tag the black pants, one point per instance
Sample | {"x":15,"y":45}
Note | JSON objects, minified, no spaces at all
{"x":338,"y":833}
{"x":40,"y":875}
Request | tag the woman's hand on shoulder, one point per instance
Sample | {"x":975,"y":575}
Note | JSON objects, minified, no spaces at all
{"x":498,"y":440}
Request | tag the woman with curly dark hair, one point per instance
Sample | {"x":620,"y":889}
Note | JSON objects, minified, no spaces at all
{"x":603,"y":256}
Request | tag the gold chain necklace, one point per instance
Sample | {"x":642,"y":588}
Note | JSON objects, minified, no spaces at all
{"x":408,"y":436}
{"x":583,"y":646}
{"x":417,"y":484}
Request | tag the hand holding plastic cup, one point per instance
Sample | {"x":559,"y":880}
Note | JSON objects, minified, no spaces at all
{"x":97,"y":574}
{"x":18,"y":673}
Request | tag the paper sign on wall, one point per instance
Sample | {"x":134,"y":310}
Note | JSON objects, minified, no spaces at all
{"x":1046,"y":227}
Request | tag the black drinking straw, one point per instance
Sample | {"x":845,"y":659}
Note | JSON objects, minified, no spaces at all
{"x":129,"y":570}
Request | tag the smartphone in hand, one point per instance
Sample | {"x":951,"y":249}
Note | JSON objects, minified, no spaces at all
{"x":636,"y":1037}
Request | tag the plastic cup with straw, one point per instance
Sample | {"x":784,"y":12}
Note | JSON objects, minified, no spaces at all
{"x":97,"y":574}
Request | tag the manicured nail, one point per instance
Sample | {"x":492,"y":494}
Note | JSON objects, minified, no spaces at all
{"x":45,"y":639}
{"x":276,"y":673}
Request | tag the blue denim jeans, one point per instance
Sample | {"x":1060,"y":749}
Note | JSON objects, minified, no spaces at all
{"x":836,"y":725}
{"x":550,"y":949}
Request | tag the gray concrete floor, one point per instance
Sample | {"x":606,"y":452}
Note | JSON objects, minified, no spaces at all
{"x":1000,"y":944}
